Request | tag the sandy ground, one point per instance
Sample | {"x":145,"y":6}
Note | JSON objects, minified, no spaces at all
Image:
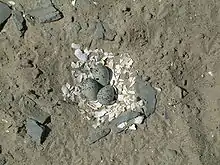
{"x":176,"y":43}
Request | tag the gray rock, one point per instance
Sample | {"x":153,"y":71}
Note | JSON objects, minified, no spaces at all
{"x":109,"y":33}
{"x":98,"y":134}
{"x":33,"y":111}
{"x":99,"y":31}
{"x":106,"y":95}
{"x":5,"y":13}
{"x":2,"y":160}
{"x":90,"y":88}
{"x":146,"y":93}
{"x":101,"y":74}
{"x":19,"y":21}
{"x":34,"y":130}
{"x":125,"y":117}
{"x":44,"y":15}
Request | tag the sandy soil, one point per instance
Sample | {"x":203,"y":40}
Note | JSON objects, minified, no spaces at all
{"x":176,"y":43}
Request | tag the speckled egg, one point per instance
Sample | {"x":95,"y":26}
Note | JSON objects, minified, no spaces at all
{"x":101,"y":74}
{"x":106,"y":95}
{"x":90,"y":88}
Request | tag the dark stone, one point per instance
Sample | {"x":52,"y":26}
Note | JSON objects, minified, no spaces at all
{"x":19,"y":21}
{"x":5,"y":13}
{"x":98,"y":134}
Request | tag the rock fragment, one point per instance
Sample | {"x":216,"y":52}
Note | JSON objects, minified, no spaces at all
{"x":124,"y":118}
{"x":44,"y":15}
{"x":99,"y":31}
{"x":98,"y":134}
{"x":146,"y":93}
{"x":5,"y":13}
{"x":19,"y":21}
{"x":36,"y":131}
{"x":33,"y":111}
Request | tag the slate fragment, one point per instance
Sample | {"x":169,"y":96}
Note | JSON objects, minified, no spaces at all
{"x":99,"y":31}
{"x":37,"y":131}
{"x":33,"y":111}
{"x":5,"y":13}
{"x":19,"y":21}
{"x":146,"y":93}
{"x":98,"y":134}
{"x":44,"y":15}
{"x":127,"y":117}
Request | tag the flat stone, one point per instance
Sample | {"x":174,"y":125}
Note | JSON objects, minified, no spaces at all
{"x":33,"y":111}
{"x":99,"y":31}
{"x":44,"y":15}
{"x":19,"y":21}
{"x":146,"y":93}
{"x":34,"y":130}
{"x":98,"y":134}
{"x":126,"y":119}
{"x":5,"y":13}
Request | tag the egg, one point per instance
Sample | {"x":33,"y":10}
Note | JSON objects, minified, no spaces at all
{"x":101,"y":74}
{"x":106,"y":95}
{"x":90,"y":88}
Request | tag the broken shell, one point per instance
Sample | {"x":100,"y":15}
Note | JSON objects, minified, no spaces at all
{"x":106,"y":95}
{"x":80,"y":55}
{"x":90,"y":88}
{"x":101,"y":74}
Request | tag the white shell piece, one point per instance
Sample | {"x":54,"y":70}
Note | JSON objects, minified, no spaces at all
{"x":73,"y":45}
{"x":139,"y":119}
{"x":158,"y":89}
{"x":73,"y":65}
{"x":12,"y":3}
{"x":65,"y":90}
{"x":98,"y":114}
{"x":68,"y":86}
{"x":111,"y":116}
{"x":133,"y":127}
{"x":80,"y":55}
{"x":122,"y":125}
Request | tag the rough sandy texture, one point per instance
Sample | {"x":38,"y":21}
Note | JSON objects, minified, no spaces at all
{"x":176,"y":43}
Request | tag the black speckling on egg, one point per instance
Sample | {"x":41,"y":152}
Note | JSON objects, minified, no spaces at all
{"x":90,"y":88}
{"x":106,"y":95}
{"x":101,"y":74}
